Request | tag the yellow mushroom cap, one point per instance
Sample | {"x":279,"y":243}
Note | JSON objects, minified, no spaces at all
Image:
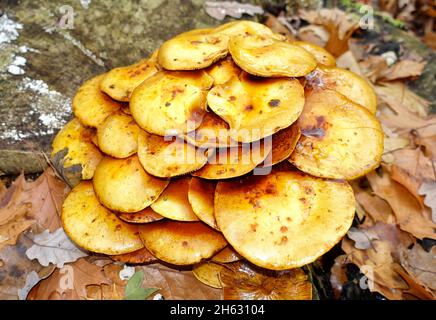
{"x":212,"y":132}
{"x":227,"y":255}
{"x":339,"y":139}
{"x":91,"y":106}
{"x":181,"y":243}
{"x":284,"y":142}
{"x":208,"y":273}
{"x":123,"y":185}
{"x":223,"y":71}
{"x":173,"y":203}
{"x":257,"y":107}
{"x":193,"y":50}
{"x":200,"y":195}
{"x":81,"y":150}
{"x":119,"y":83}
{"x":95,"y":228}
{"x":347,"y":83}
{"x":118,"y":135}
{"x":171,"y":102}
{"x":321,"y":55}
{"x":169,"y":156}
{"x":246,"y":28}
{"x":144,"y":216}
{"x":285,"y":219}
{"x":267,"y":57}
{"x":234,"y":161}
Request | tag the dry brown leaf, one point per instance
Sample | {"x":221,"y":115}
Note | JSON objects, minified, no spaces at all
{"x":376,"y":263}
{"x":426,"y":137}
{"x":421,"y":264}
{"x":14,"y":268}
{"x":70,"y":282}
{"x":411,"y":217}
{"x":26,"y":203}
{"x":416,"y":288}
{"x":407,"y":105}
{"x":373,"y":66}
{"x":174,"y":284}
{"x":403,"y":69}
{"x":380,"y":261}
{"x":275,"y":25}
{"x":428,"y":189}
{"x":339,"y":25}
{"x":15,"y":213}
{"x":378,"y":210}
{"x":243,"y":281}
{"x":314,"y":34}
{"x":104,"y":291}
{"x":338,"y":275}
{"x":410,"y":168}
{"x":47,"y":194}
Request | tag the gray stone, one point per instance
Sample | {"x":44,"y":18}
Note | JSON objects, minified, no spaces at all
{"x":48,"y":48}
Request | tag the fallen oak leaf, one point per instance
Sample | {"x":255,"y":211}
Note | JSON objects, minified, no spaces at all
{"x":54,"y":248}
{"x":377,"y":209}
{"x":114,"y":291}
{"x":410,"y":168}
{"x":26,"y":203}
{"x":32,"y":279}
{"x":428,"y":189}
{"x":15,"y":268}
{"x":47,"y":194}
{"x":421,"y":264}
{"x":425,"y":136}
{"x":69,"y":282}
{"x":377,"y":264}
{"x":410,"y":216}
{"x":403,"y":69}
{"x":416,"y":288}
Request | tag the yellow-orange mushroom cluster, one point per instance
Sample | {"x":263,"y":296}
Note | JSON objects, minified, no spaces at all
{"x":182,"y":153}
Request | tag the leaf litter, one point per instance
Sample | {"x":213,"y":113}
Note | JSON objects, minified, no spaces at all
{"x":396,"y":204}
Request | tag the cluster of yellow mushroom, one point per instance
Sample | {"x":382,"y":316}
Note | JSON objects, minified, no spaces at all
{"x":225,"y":144}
